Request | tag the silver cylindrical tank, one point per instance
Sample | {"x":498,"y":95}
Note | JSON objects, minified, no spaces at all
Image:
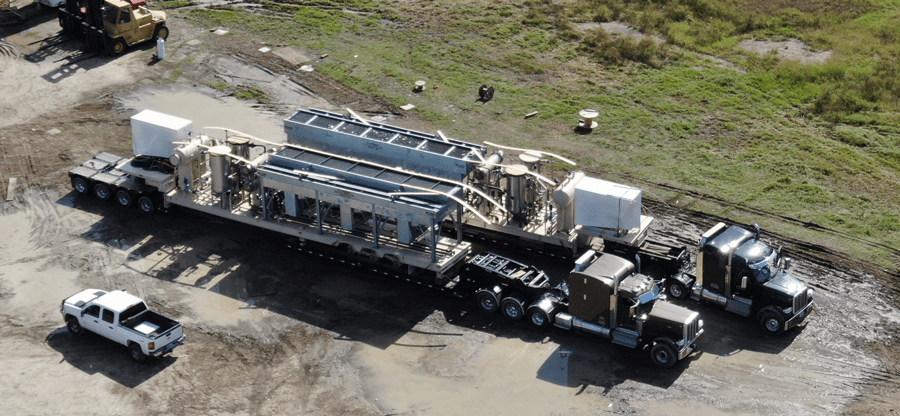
{"x":516,"y":188}
{"x":183,"y":154}
{"x":240,"y":146}
{"x":219,"y":168}
{"x":564,"y":196}
{"x":483,"y":172}
{"x":530,"y":159}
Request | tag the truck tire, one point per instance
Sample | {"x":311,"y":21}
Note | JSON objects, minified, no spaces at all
{"x":771,"y":322}
{"x":124,"y":198}
{"x":513,"y":307}
{"x":539,"y":317}
{"x":116,"y":47}
{"x":73,"y":326}
{"x":80,"y":185}
{"x":161,"y":32}
{"x":134,"y":350}
{"x":663,"y":354}
{"x":145,"y":203}
{"x":676,"y":289}
{"x":101,"y":191}
{"x":654,"y":273}
{"x":487,"y":300}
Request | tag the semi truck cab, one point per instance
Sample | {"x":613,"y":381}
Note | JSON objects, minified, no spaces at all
{"x":735,"y":269}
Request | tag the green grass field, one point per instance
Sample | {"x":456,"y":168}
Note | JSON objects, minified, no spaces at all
{"x":816,"y":142}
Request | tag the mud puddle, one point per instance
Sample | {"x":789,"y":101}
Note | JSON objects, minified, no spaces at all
{"x":207,"y":111}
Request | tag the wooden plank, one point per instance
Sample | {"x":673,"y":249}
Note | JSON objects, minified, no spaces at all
{"x":11,"y":189}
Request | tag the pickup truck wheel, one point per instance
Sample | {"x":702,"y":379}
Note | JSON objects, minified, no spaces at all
{"x":124,"y":198}
{"x":676,"y":289}
{"x":487,"y":301}
{"x":80,"y":185}
{"x":772,"y":323}
{"x":101,"y":191}
{"x":513,"y":308}
{"x":663,"y":354}
{"x":136,"y":354}
{"x":161,"y":32}
{"x":146,"y":205}
{"x":116,"y":47}
{"x":74,"y":327}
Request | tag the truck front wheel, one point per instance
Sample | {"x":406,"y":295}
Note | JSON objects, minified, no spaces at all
{"x":663,"y":354}
{"x":161,"y":32}
{"x":136,"y":354}
{"x":772,"y":323}
{"x":676,"y":289}
{"x":73,"y":326}
{"x":116,"y":47}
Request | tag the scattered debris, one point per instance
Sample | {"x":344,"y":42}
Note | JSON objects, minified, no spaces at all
{"x":589,"y":115}
{"x":323,"y":56}
{"x":264,"y":49}
{"x":53,"y":132}
{"x":291,"y":55}
{"x":531,"y":114}
{"x":11,"y":189}
{"x":220,"y":32}
{"x":306,"y":68}
{"x":193,"y":42}
{"x":420,"y":85}
{"x":407,"y":107}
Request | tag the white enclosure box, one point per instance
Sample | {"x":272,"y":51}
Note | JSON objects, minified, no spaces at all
{"x":153,"y":133}
{"x":605,"y":204}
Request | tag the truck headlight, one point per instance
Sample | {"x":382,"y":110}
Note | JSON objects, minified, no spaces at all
{"x":788,"y":311}
{"x":809,"y":293}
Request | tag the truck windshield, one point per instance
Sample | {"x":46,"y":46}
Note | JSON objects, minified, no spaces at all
{"x":132,"y":312}
{"x":765,"y":270}
{"x":110,"y":14}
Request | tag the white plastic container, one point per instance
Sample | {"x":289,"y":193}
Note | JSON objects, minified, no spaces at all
{"x":605,"y":204}
{"x":153,"y":133}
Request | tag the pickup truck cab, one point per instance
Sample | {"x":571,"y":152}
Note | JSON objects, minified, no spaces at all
{"x":123,"y":318}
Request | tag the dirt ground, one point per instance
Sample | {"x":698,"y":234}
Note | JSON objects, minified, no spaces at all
{"x":273,"y":332}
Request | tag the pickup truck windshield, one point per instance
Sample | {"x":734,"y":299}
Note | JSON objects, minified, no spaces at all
{"x":132,"y":312}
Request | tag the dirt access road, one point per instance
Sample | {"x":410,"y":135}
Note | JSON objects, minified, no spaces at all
{"x":273,"y":332}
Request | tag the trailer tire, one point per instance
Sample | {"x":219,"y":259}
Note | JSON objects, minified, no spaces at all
{"x":146,"y":204}
{"x":124,"y":198}
{"x":161,"y":32}
{"x":513,"y":307}
{"x":102,"y":191}
{"x":80,"y":185}
{"x":487,"y":300}
{"x":676,"y":289}
{"x":116,"y":47}
{"x":663,"y":354}
{"x":771,"y":322}
{"x":73,"y":326}
{"x":134,"y":350}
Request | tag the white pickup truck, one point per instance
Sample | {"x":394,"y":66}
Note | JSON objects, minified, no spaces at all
{"x":123,"y":318}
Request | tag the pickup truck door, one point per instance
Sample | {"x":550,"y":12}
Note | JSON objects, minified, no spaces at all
{"x":108,"y":327}
{"x":90,"y":319}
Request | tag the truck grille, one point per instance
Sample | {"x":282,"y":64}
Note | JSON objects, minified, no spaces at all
{"x":691,"y":328}
{"x":800,"y":301}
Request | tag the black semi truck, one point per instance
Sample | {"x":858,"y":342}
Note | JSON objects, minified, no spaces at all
{"x":738,"y":271}
{"x":602,"y":296}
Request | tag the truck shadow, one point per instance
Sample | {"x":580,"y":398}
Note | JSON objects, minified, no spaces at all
{"x":257,"y":268}
{"x":94,"y":354}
